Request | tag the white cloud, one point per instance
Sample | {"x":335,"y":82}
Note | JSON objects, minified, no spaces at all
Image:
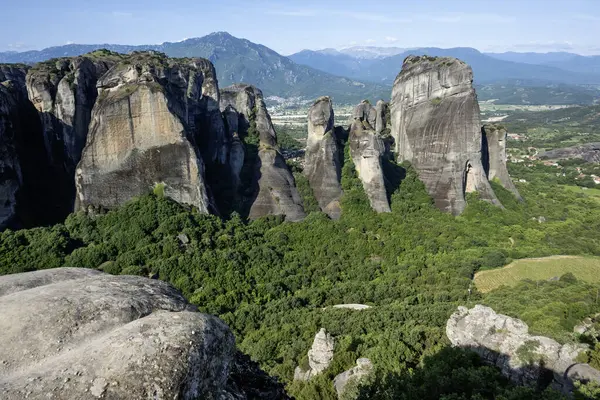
{"x":370,"y":41}
{"x":585,"y":17}
{"x":391,"y":39}
{"x":545,"y":45}
{"x":121,"y":14}
{"x":17,"y":45}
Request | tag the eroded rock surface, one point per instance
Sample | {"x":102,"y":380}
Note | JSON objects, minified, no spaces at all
{"x":82,"y":334}
{"x":322,"y":157}
{"x":320,"y":356}
{"x":270,"y":188}
{"x":352,"y":377}
{"x":11,"y":178}
{"x":366,"y":150}
{"x":143,"y":133}
{"x":525,"y":359}
{"x":494,"y":156}
{"x":366,"y":112}
{"x":16,"y":73}
{"x":436,"y":127}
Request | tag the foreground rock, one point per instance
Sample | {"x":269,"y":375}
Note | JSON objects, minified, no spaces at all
{"x":270,"y":188}
{"x":523,"y":358}
{"x":366,"y":113}
{"x":127,"y":338}
{"x":436,"y":127}
{"x":366,"y":150}
{"x":143,"y":133}
{"x":589,"y":152}
{"x":320,"y":356}
{"x":16,"y":73}
{"x":350,"y":379}
{"x":494,"y":156}
{"x":322,"y":158}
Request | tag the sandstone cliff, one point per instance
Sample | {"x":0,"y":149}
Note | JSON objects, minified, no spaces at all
{"x":143,"y":131}
{"x":16,"y":73}
{"x":322,"y":157}
{"x":436,"y":126}
{"x":525,"y":359}
{"x":494,"y":156}
{"x":366,"y":112}
{"x":127,"y":338}
{"x":366,"y":150}
{"x":266,"y":184}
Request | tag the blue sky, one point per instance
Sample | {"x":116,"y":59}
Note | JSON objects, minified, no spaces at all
{"x":290,"y":26}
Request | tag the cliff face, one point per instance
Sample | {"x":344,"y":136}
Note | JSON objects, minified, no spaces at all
{"x":436,"y":126}
{"x":366,"y":112}
{"x":589,"y":152}
{"x":11,"y":178}
{"x":16,"y":73}
{"x":322,"y":157}
{"x":366,"y":150}
{"x":494,"y":156}
{"x":142,"y":134}
{"x":266,"y":184}
{"x":64,"y":92}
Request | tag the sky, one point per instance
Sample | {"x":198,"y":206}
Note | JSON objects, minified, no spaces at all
{"x":288,"y":26}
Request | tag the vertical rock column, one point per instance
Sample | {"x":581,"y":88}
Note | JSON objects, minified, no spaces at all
{"x":322,"y":157}
{"x":436,"y":127}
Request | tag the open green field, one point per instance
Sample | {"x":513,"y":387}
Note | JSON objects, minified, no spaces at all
{"x":537,"y":269}
{"x":594,"y":193}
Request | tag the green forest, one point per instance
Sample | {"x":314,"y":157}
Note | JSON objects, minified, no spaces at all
{"x":274,"y":282}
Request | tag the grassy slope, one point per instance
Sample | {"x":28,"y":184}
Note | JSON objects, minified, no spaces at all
{"x":584,"y":268}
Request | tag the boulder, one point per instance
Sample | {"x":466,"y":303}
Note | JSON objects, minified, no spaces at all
{"x":352,"y":377}
{"x":366,"y":150}
{"x":322,"y":164}
{"x":523,"y":358}
{"x":589,"y":152}
{"x":270,"y":188}
{"x":320,"y":356}
{"x":82,"y":334}
{"x":494,"y":156}
{"x":436,"y":127}
{"x":143,"y":134}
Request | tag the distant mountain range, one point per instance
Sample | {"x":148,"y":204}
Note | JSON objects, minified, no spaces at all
{"x":359,"y":72}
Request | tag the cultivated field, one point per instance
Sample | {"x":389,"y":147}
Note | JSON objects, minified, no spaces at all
{"x":539,"y":269}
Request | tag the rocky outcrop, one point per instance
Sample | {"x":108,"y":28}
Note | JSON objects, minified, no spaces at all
{"x":322,"y":158}
{"x":82,"y":334}
{"x":494,"y":156}
{"x":366,"y":150}
{"x":366,"y":112}
{"x":64,"y":92}
{"x":320,"y":356}
{"x":380,"y":117}
{"x":143,"y":132}
{"x":16,"y":73}
{"x":11,"y":178}
{"x":525,"y":359}
{"x":589,"y":152}
{"x":436,"y":127}
{"x":352,"y":377}
{"x":269,"y":187}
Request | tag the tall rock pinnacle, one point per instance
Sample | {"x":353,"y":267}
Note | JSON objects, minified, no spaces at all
{"x":436,"y":127}
{"x":494,"y":156}
{"x":322,"y":157}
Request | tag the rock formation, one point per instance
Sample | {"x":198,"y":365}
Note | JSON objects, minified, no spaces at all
{"x":494,"y":156}
{"x":353,"y":376}
{"x":15,"y":73}
{"x":366,"y":150}
{"x":143,"y":131}
{"x":589,"y":152}
{"x":380,"y":119}
{"x":525,"y":359}
{"x":322,"y":158}
{"x":366,"y":112}
{"x":11,"y":178}
{"x":267,"y":185}
{"x":64,"y":92}
{"x":436,"y":127}
{"x":127,"y":338}
{"x":320,"y":356}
